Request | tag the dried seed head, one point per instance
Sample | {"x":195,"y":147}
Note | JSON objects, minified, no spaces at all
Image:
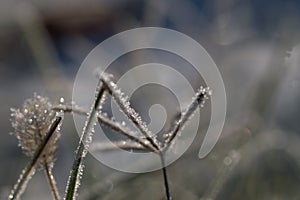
{"x":30,"y":127}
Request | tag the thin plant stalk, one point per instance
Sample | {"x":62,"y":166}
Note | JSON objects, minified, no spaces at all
{"x":48,"y":172}
{"x":165,"y":175}
{"x":30,"y":168}
{"x":124,"y":105}
{"x":116,"y":145}
{"x":119,"y":128}
{"x":52,"y":182}
{"x":109,"y":123}
{"x":85,"y":139}
{"x":70,"y":109}
{"x":198,"y":100}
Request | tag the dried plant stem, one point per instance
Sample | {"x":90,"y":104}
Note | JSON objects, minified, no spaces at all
{"x":52,"y":182}
{"x":70,"y":109}
{"x":109,"y":146}
{"x":119,"y":128}
{"x":30,"y":168}
{"x":127,"y":110}
{"x":48,"y":170}
{"x":199,"y":99}
{"x":108,"y":122}
{"x":165,"y":175}
{"x":85,"y":139}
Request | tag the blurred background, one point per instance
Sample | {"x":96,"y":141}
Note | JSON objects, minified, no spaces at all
{"x":255,"y":45}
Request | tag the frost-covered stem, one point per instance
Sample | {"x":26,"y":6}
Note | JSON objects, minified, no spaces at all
{"x":70,"y":109}
{"x":51,"y":181}
{"x":85,"y":139}
{"x":198,"y":100}
{"x":48,"y":170}
{"x":30,"y":168}
{"x":110,"y":146}
{"x":129,"y":134}
{"x":108,"y":122}
{"x":124,"y":105}
{"x":165,"y":175}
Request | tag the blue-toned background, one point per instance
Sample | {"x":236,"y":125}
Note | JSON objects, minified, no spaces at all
{"x":254,"y":43}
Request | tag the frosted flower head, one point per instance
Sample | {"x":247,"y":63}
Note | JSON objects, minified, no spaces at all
{"x":30,"y":124}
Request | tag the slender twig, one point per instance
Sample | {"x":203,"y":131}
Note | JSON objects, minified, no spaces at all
{"x":47,"y":168}
{"x":129,"y":134}
{"x":124,"y":105}
{"x":85,"y":139}
{"x":70,"y":109}
{"x":51,"y":181}
{"x":108,"y":122}
{"x":109,"y":146}
{"x":199,"y":99}
{"x":165,"y":175}
{"x":30,"y":168}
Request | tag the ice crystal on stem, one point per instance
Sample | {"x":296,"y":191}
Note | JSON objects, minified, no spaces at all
{"x":85,"y":140}
{"x":124,"y":105}
{"x":199,"y":100}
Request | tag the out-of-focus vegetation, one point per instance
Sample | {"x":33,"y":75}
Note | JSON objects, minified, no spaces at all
{"x":256,"y":47}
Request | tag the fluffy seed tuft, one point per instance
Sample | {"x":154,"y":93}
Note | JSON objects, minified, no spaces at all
{"x":31,"y":123}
